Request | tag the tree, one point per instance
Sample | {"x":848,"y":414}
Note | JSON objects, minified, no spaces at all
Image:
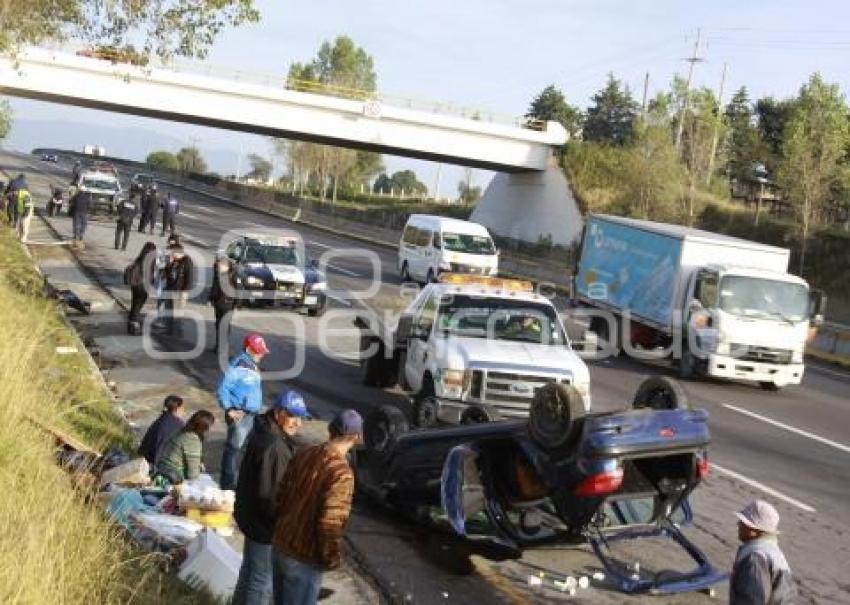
{"x":340,"y":69}
{"x":467,"y":193}
{"x":744,"y":147}
{"x":162,"y":159}
{"x":551,"y":105}
{"x":611,"y":116}
{"x":773,"y":117}
{"x":340,"y":163}
{"x":383,"y":184}
{"x":261,"y":168}
{"x":815,"y":141}
{"x":189,"y":159}
{"x":167,"y":27}
{"x":5,"y":118}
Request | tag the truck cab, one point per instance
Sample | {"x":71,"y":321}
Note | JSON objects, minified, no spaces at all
{"x":473,"y":348}
{"x":748,"y":324}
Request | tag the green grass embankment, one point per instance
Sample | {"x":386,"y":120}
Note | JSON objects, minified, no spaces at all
{"x":55,"y":547}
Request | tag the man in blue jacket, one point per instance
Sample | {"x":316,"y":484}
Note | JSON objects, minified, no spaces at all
{"x":240,"y":395}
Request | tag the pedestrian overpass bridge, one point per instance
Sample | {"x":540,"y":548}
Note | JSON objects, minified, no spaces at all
{"x":523,"y":154}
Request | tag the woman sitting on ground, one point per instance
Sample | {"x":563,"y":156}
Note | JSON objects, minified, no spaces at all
{"x":182,"y":455}
{"x":163,"y":429}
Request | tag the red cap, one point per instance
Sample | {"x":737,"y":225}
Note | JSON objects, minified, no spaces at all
{"x":254,"y":343}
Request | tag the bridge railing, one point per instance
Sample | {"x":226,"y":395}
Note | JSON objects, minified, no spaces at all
{"x":131,"y":59}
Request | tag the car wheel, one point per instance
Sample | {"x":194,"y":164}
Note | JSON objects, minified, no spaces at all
{"x":660,"y":393}
{"x":474,"y":415}
{"x":425,"y":412}
{"x":769,"y":386}
{"x":405,"y":272}
{"x":552,"y":420}
{"x":382,"y":427}
{"x":316,"y":312}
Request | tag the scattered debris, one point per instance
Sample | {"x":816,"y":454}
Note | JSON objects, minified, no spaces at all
{"x":66,"y":350}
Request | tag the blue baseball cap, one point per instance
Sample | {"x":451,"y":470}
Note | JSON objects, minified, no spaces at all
{"x":347,"y":422}
{"x":291,"y":402}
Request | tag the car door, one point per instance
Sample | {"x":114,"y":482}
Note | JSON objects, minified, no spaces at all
{"x":407,"y":246}
{"x":418,"y":344}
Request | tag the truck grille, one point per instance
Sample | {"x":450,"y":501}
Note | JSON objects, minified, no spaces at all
{"x":744,"y":352}
{"x":511,"y":393}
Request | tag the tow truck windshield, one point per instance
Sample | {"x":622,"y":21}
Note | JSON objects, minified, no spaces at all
{"x":469,"y":244}
{"x":500,"y":319}
{"x":105,"y":184}
{"x":272,"y":255}
{"x":757,"y":297}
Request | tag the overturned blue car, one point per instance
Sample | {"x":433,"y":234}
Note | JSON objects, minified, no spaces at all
{"x":561,"y":475}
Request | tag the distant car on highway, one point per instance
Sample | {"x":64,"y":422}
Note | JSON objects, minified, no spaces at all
{"x":273,"y":270}
{"x":49,"y":157}
{"x":141,"y":183}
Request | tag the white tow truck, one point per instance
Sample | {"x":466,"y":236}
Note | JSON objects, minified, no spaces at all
{"x":472,"y":349}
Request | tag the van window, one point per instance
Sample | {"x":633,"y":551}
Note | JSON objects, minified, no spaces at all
{"x":423,"y":237}
{"x":410,"y":234}
{"x":471,"y":244}
{"x":706,"y":289}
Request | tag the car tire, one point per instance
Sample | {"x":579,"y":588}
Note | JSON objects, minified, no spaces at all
{"x":382,"y":428}
{"x":553,"y":418}
{"x":474,"y":415}
{"x":660,"y":393}
{"x":317,"y":311}
{"x":766,"y":385}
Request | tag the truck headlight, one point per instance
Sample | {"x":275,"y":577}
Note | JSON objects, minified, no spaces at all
{"x":253,"y":282}
{"x":445,"y":265}
{"x":583,"y":389}
{"x":455,"y":382}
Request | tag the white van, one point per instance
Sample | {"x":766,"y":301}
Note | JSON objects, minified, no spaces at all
{"x":433,"y":244}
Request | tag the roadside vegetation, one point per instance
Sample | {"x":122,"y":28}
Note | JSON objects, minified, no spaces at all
{"x":56,"y":545}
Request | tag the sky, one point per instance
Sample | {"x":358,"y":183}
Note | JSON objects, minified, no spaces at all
{"x":498,"y":54}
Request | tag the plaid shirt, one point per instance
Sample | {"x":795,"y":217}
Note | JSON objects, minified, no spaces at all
{"x":313,"y":507}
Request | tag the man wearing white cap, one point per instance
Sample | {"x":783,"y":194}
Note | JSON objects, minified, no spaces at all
{"x":760,"y":575}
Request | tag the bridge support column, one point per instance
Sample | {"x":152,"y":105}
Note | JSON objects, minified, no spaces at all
{"x":528,"y":206}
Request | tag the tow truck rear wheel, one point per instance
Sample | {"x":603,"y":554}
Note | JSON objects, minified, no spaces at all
{"x":769,"y":386}
{"x":660,"y":393}
{"x":553,"y":418}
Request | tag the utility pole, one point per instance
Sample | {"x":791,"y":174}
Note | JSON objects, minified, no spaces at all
{"x":439,"y":178}
{"x":645,"y":91}
{"x":694,"y":58}
{"x":716,"y":127}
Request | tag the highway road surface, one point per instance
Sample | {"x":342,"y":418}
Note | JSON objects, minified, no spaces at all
{"x":791,"y":447}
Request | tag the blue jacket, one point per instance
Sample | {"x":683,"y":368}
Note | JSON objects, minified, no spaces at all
{"x":241,"y":386}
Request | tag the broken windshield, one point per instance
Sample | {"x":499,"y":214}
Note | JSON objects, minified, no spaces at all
{"x":757,"y":297}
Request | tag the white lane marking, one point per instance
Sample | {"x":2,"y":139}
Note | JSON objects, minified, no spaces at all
{"x":820,"y":368}
{"x":761,"y":486}
{"x":194,"y":217}
{"x":320,"y":245}
{"x":203,"y":209}
{"x":792,"y":429}
{"x":343,"y":271}
{"x":341,"y":301}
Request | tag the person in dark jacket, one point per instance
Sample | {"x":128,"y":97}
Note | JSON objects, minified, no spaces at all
{"x":179,"y":275}
{"x":170,"y":210}
{"x":222,"y":295}
{"x":169,"y":423}
{"x":19,"y":182}
{"x":78,"y":208}
{"x":141,"y":277}
{"x":182,"y":457}
{"x":127,"y":210}
{"x":761,"y":574}
{"x":267,"y":453}
{"x":150,"y":204}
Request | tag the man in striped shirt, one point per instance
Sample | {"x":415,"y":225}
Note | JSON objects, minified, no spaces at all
{"x":313,"y":509}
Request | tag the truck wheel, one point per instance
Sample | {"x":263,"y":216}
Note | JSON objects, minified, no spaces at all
{"x":769,"y":386}
{"x":425,"y":406}
{"x":687,"y":364}
{"x":474,"y":415}
{"x":382,"y":427}
{"x":660,"y":393}
{"x":317,"y":311}
{"x":553,"y":419}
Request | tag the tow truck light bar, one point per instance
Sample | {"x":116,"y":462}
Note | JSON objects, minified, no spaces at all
{"x":600,"y":484}
{"x":509,"y":285}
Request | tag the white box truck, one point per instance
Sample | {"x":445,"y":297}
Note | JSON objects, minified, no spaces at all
{"x":716,"y":305}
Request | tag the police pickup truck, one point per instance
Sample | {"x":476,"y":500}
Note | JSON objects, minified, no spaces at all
{"x":471,"y":348}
